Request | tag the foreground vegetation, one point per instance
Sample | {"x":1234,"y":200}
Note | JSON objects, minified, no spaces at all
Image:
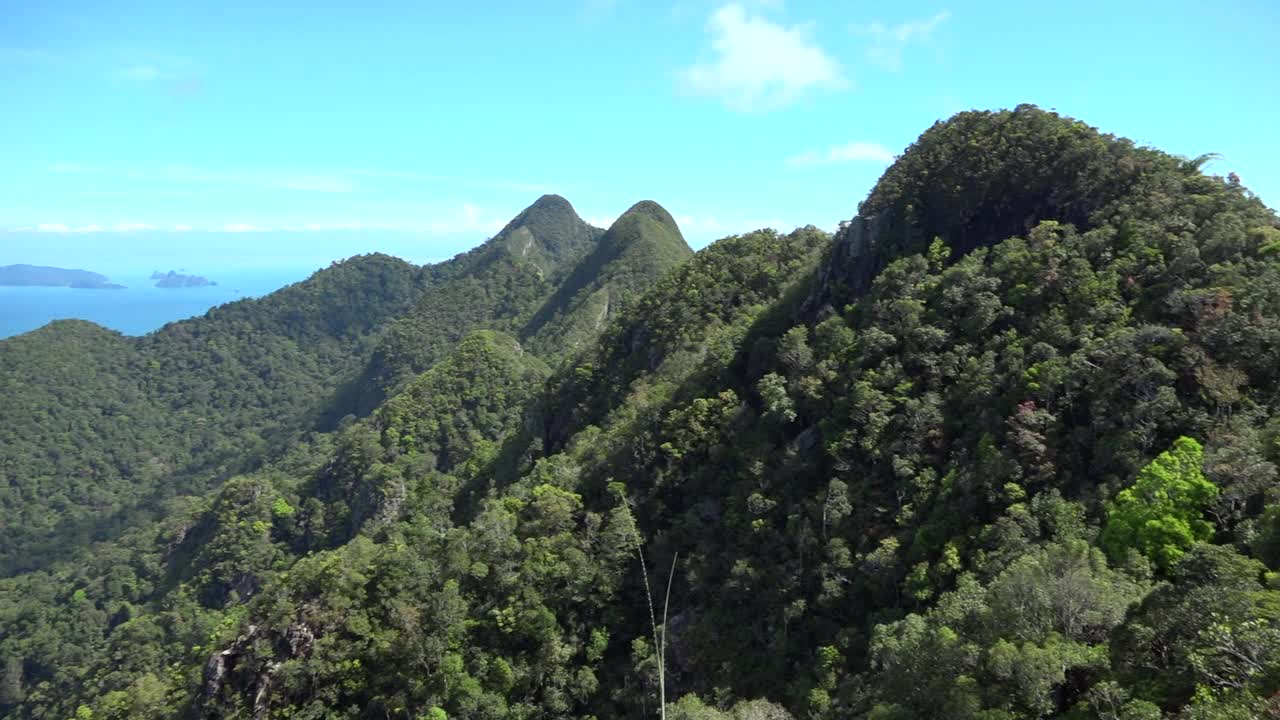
{"x":1005,"y":446}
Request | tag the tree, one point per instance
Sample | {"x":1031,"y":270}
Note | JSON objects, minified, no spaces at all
{"x":1161,"y":514}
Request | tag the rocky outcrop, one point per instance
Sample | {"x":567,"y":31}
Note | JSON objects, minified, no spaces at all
{"x":846,"y":274}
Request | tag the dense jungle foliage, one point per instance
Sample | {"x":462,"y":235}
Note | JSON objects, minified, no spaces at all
{"x":1004,"y":447}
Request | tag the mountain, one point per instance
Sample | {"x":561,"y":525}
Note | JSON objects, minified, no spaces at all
{"x":1003,"y":447}
{"x":548,"y":278}
{"x":38,"y":275}
{"x":640,"y":246}
{"x":506,"y":279}
{"x":102,"y":430}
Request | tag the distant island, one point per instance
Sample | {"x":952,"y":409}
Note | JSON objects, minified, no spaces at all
{"x":173,"y":279}
{"x":40,"y":276}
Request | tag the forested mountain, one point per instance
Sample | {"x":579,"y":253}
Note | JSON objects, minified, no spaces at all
{"x":96,"y":426}
{"x":548,"y":278}
{"x":1005,"y":446}
{"x":99,"y":430}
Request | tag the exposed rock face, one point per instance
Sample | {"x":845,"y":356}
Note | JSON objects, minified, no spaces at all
{"x":854,"y":261}
{"x":238,"y":666}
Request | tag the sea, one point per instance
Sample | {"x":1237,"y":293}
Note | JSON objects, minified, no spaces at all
{"x":141,"y":307}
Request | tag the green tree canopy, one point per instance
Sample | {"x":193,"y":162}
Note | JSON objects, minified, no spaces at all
{"x":1161,"y":514}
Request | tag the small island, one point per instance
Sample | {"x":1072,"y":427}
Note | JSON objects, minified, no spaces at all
{"x":173,"y":279}
{"x":42,"y":276}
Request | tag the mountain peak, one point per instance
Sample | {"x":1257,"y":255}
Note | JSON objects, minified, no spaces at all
{"x":547,"y":233}
{"x":974,"y":180}
{"x":552,"y":202}
{"x":653,"y":210}
{"x":640,"y":247}
{"x":646,"y":223}
{"x":545,"y":212}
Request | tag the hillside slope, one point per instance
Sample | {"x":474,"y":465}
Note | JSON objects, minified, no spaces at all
{"x":95,"y":425}
{"x":1025,"y":466}
{"x":503,"y":282}
{"x":640,"y":246}
{"x":102,"y":429}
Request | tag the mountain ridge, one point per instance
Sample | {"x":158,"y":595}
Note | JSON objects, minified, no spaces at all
{"x":635,"y":251}
{"x":885,"y":484}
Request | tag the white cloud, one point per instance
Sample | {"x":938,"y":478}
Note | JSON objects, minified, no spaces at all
{"x":241,"y":227}
{"x":89,"y":228}
{"x":602,"y":221}
{"x":889,"y":41}
{"x":760,"y":64}
{"x":852,"y":152}
{"x":131,"y":227}
{"x":52,"y":227}
{"x":181,"y":228}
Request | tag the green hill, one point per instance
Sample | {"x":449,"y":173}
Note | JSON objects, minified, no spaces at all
{"x":497,"y":286}
{"x":98,"y":429}
{"x":643,"y":243}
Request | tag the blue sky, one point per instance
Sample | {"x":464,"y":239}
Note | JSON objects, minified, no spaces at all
{"x":313,"y":130}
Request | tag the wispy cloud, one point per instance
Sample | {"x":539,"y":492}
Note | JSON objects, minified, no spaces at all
{"x":760,"y":64}
{"x":857,"y":151}
{"x":91,"y":228}
{"x":699,"y":229}
{"x":889,"y":42}
{"x":19,"y":55}
{"x":690,"y":223}
{"x":145,"y":73}
{"x":593,"y":10}
{"x":493,"y":184}
{"x":306,"y":182}
{"x":162,"y":71}
{"x":452,"y":220}
{"x":466,"y":218}
{"x":324,"y":181}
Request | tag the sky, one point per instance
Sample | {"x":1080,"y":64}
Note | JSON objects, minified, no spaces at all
{"x":286,"y":132}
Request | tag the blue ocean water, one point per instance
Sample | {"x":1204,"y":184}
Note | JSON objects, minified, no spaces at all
{"x":140,"y":307}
